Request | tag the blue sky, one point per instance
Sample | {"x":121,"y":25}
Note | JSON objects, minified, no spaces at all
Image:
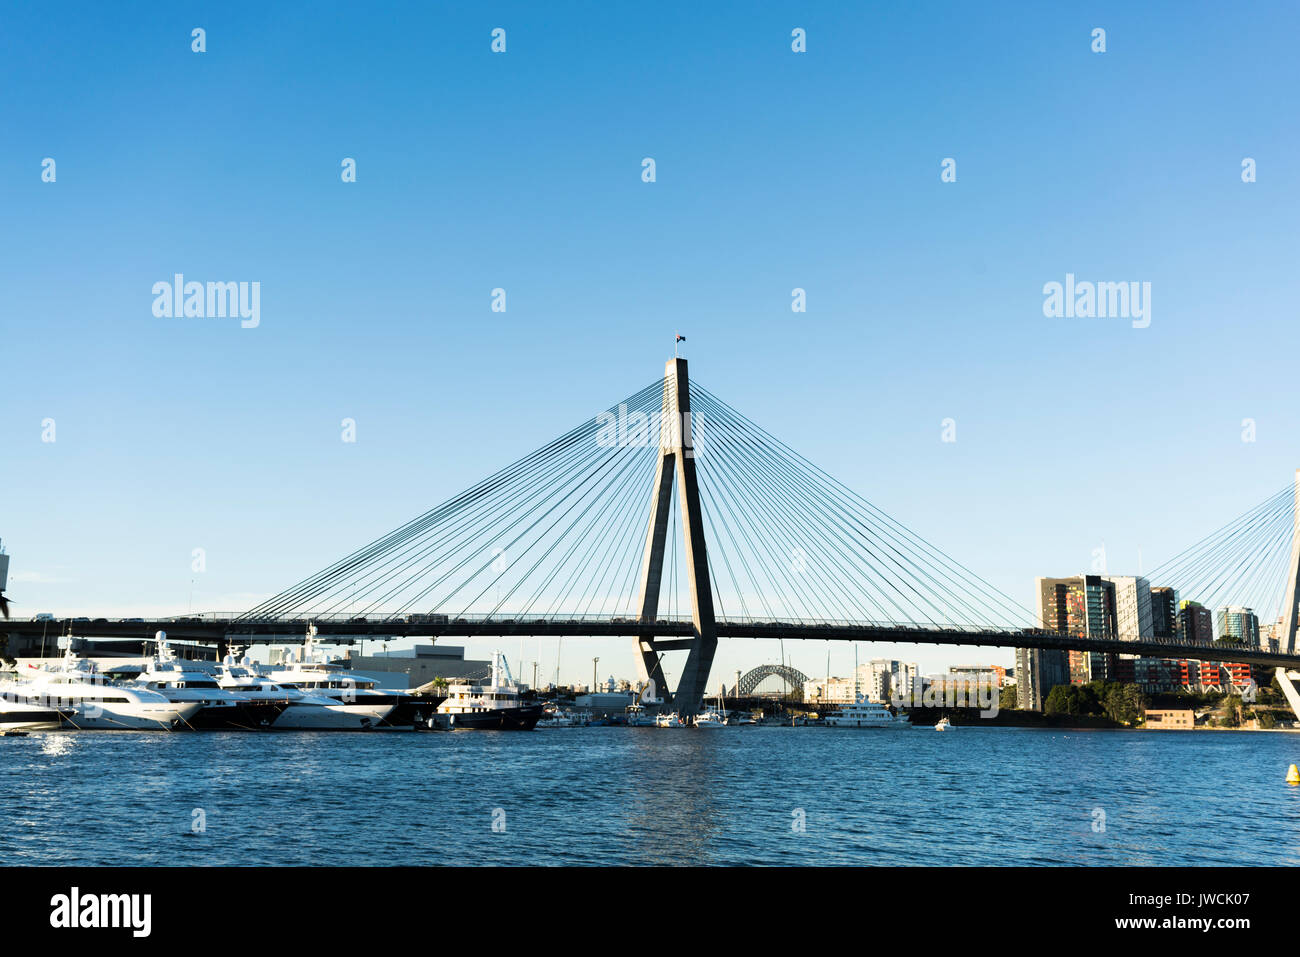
{"x":522,"y":170}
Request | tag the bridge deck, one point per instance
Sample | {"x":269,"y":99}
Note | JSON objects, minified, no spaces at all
{"x":245,"y":631}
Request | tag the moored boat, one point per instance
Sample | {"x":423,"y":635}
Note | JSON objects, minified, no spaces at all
{"x":220,"y":709}
{"x":302,"y":711}
{"x":20,"y":716}
{"x":90,"y":701}
{"x":320,"y":678}
{"x":867,"y":714}
{"x":490,"y":705}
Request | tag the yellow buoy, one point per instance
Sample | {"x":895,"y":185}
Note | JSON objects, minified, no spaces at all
{"x":1293,"y":775}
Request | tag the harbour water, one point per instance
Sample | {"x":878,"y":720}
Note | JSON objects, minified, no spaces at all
{"x":646,"y":796}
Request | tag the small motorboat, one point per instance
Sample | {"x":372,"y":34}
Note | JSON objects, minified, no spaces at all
{"x":711,"y":719}
{"x":943,"y":725}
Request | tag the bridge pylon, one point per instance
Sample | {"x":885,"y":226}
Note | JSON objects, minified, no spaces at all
{"x":677,"y":459}
{"x":1286,"y":640}
{"x":1290,"y":598}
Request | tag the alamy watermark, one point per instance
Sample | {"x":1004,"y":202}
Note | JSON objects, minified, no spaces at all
{"x":624,"y":428}
{"x":1098,"y":300}
{"x":179,"y":299}
{"x":975,"y":693}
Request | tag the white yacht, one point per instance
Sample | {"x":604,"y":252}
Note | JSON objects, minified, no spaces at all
{"x":669,"y":720}
{"x":327,"y":680}
{"x":491,"y":705}
{"x":635,"y":716}
{"x":16,"y":715}
{"x":220,"y":709}
{"x":302,"y":711}
{"x":944,"y":724}
{"x":715,"y":717}
{"x":93,"y":702}
{"x":555,"y":717}
{"x":867,"y":714}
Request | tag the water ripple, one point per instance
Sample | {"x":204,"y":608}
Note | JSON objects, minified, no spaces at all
{"x":645,"y":796}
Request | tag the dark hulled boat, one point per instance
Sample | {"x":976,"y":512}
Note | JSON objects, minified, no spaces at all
{"x":489,"y":705}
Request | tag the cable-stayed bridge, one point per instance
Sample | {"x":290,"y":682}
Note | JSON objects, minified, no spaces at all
{"x":672,"y":519}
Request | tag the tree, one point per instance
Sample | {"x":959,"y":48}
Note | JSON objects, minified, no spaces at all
{"x":1071,"y":699}
{"x":1007,"y":700}
{"x":1124,"y":703}
{"x":1057,"y":700}
{"x":1232,"y":706}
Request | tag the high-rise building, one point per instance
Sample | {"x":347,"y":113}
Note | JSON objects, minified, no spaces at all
{"x":882,"y":678}
{"x":1195,"y":624}
{"x":876,"y":680}
{"x":1270,"y":636}
{"x":1133,"y":618}
{"x":1085,"y":606}
{"x":1038,"y":670}
{"x":1239,"y":623}
{"x":903,"y":682}
{"x":1082,"y":605}
{"x":1164,"y":612}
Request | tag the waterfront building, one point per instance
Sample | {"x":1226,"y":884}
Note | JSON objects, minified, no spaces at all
{"x":1152,"y":675}
{"x":1171,"y":618}
{"x":877,"y":680}
{"x":878,"y":677}
{"x":1218,"y":676}
{"x":605,"y":702}
{"x":1239,"y":623}
{"x":828,"y":691}
{"x":994,"y":675}
{"x":1167,"y":675}
{"x":1170,"y":720}
{"x":420,"y":665}
{"x":963,"y":685}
